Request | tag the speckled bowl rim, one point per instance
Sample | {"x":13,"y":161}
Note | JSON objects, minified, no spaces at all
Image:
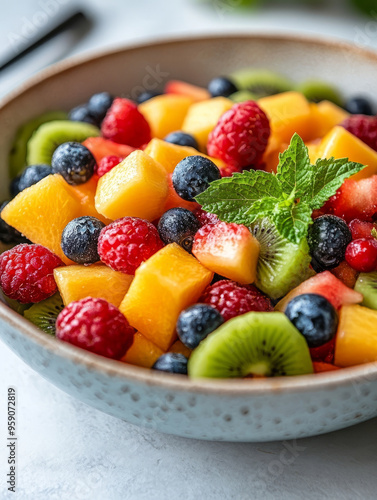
{"x":231,"y":387}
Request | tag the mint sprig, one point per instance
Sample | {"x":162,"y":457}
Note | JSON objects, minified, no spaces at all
{"x":288,"y":197}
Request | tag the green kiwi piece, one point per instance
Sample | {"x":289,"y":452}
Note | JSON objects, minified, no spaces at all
{"x":44,"y":313}
{"x":242,"y":96}
{"x":261,"y":82}
{"x":366,"y":284}
{"x":49,"y":136}
{"x":317,"y":91}
{"x":14,"y":304}
{"x":282,"y":265}
{"x":254,"y":344}
{"x":17,"y":155}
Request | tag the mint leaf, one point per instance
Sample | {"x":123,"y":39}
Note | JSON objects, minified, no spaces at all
{"x":261,"y":208}
{"x":293,"y":222}
{"x":294,"y":171}
{"x":328,"y":175}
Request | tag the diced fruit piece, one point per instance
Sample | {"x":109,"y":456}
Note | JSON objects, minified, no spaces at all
{"x":361,"y":229}
{"x":80,"y":239}
{"x":361,"y":255}
{"x":318,"y":90}
{"x":202,"y":118}
{"x":85,"y":193}
{"x":174,"y":201}
{"x":171,"y":362}
{"x":98,"y":281}
{"x":164,"y":285}
{"x":143,"y":352}
{"x":42,"y":211}
{"x":340,"y":143}
{"x":288,"y":113}
{"x":180,"y":349}
{"x":261,"y":82}
{"x":44,"y":314}
{"x":327,"y":285}
{"x":101,"y":147}
{"x":356,"y":341}
{"x":364,"y":127}
{"x":221,"y":86}
{"x":345,"y":274}
{"x":324,"y":353}
{"x":325,"y":116}
{"x":271,"y":155}
{"x":262,"y":344}
{"x":137,"y":187}
{"x":205,"y":217}
{"x":366,"y":284}
{"x":320,"y":367}
{"x":187,"y":89}
{"x":228,"y":249}
{"x":178,"y":225}
{"x":165,"y":113}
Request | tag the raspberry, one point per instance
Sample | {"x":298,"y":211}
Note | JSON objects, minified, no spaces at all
{"x":26,"y":273}
{"x":229,"y":170}
{"x":205,"y":217}
{"x":364,"y":127}
{"x":240,"y":136}
{"x":361,"y":255}
{"x":107,"y":163}
{"x":125,"y":124}
{"x":124,"y":244}
{"x":97,"y":326}
{"x":232,"y":299}
{"x":324,"y":353}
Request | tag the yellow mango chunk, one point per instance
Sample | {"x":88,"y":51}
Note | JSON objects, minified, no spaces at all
{"x":169,"y":155}
{"x":98,"y":281}
{"x":42,"y":211}
{"x":313,"y":147}
{"x":289,"y":113}
{"x":163,"y":286}
{"x":356,"y":340}
{"x":325,"y":116}
{"x":143,"y":352}
{"x":137,"y":187}
{"x":165,"y":113}
{"x":86,"y":193}
{"x":203,"y":116}
{"x":340,"y":143}
{"x":180,"y":348}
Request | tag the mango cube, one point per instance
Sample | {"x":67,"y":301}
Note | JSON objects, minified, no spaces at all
{"x":85,"y":194}
{"x":143,"y":352}
{"x":180,"y":348}
{"x":137,"y":187}
{"x":325,"y":116}
{"x":163,"y":286}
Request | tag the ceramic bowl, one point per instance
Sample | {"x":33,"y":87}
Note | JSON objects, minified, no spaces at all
{"x":231,"y":410}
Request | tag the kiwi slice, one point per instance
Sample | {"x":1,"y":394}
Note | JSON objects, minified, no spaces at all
{"x":44,"y":313}
{"x":261,"y":82}
{"x":317,"y":91}
{"x":242,"y":96}
{"x":14,"y":304}
{"x":255,"y":344}
{"x":282,"y":265}
{"x":49,"y":136}
{"x":17,"y":155}
{"x":366,"y":284}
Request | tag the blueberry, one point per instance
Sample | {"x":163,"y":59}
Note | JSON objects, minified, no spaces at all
{"x":182,"y":139}
{"x":13,"y":186}
{"x":99,"y":104}
{"x":8,"y":234}
{"x":328,"y":238}
{"x":359,"y":106}
{"x":178,"y":225}
{"x":82,"y":114}
{"x":74,"y":162}
{"x":221,"y":86}
{"x":314,"y":317}
{"x":33,"y":174}
{"x":80,"y":239}
{"x":146,"y":95}
{"x":193,"y":175}
{"x":196,"y":322}
{"x":171,"y":362}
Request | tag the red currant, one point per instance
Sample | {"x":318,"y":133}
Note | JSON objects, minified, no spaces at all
{"x":361,"y":254}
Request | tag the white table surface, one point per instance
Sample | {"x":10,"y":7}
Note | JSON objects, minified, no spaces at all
{"x":67,"y":450}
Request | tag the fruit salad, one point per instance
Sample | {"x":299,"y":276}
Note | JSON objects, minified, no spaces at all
{"x":219,"y":232}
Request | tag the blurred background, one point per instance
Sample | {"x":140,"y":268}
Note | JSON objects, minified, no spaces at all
{"x":94,"y":24}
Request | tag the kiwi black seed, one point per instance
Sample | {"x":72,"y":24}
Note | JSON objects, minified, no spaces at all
{"x":44,"y":314}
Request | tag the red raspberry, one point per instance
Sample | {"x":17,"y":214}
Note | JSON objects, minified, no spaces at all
{"x":125,"y":124}
{"x":97,"y":326}
{"x":361,"y":229}
{"x":324,"y":352}
{"x":240,"y":136}
{"x":364,"y":127}
{"x":229,"y":170}
{"x":27,"y":273}
{"x":361,"y":255}
{"x":232,"y":299}
{"x":107,"y":163}
{"x":124,"y":244}
{"x":205,"y":217}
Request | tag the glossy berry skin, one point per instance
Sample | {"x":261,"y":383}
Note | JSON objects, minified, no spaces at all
{"x":314,"y":317}
{"x":9,"y":234}
{"x":82,"y":114}
{"x":108,"y":163}
{"x":171,"y":362}
{"x":361,"y":255}
{"x":126,"y":243}
{"x":328,"y":238}
{"x":99,"y":104}
{"x":74,"y":162}
{"x":178,"y":225}
{"x":33,"y":174}
{"x":364,"y":127}
{"x":146,"y":95}
{"x":182,"y":139}
{"x":97,"y":326}
{"x":80,"y":239}
{"x":359,"y":106}
{"x":221,"y":86}
{"x":193,"y":175}
{"x":27,"y":273}
{"x":196,"y":322}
